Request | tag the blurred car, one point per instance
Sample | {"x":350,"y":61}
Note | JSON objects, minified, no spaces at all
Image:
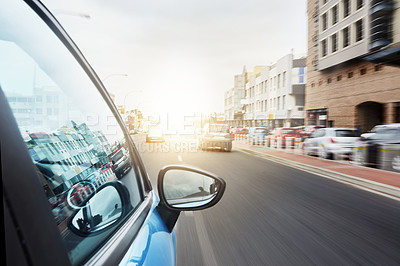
{"x":257,"y":135}
{"x":239,"y":132}
{"x":215,"y":136}
{"x":154,"y":134}
{"x":378,"y":128}
{"x":327,"y":142}
{"x":283,"y":133}
{"x":380,"y":149}
{"x":307,"y":131}
{"x":53,"y":213}
{"x":120,"y":163}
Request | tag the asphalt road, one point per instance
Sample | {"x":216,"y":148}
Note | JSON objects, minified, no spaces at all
{"x":272,"y":214}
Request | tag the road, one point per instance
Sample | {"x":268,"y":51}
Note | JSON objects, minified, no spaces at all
{"x":272,"y":214}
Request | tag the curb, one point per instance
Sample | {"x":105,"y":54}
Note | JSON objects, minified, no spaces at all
{"x":372,"y":186}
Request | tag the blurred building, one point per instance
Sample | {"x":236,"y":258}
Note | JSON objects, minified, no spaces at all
{"x":234,"y":111}
{"x":68,"y":155}
{"x":272,"y":96}
{"x":353,"y":63}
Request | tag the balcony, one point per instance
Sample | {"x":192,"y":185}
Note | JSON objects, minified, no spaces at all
{"x":298,"y":89}
{"x":380,"y":13}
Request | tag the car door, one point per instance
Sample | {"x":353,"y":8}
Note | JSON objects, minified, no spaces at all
{"x":315,"y":141}
{"x":66,"y":200}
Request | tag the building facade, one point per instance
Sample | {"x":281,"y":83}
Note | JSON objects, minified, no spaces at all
{"x":234,"y":111}
{"x":353,"y":72}
{"x":273,"y":96}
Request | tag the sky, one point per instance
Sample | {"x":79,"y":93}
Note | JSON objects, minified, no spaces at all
{"x":180,"y":56}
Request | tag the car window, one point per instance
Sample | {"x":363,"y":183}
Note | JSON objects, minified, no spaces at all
{"x":219,"y":128}
{"x":72,"y":136}
{"x":386,"y":134}
{"x":261,"y":130}
{"x":345,"y":133}
{"x":289,"y":131}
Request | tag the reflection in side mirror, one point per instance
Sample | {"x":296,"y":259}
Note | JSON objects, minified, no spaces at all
{"x":103,"y":209}
{"x":186,"y":188}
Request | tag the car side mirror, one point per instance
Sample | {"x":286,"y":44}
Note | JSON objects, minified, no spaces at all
{"x":184,"y":188}
{"x":101,"y":210}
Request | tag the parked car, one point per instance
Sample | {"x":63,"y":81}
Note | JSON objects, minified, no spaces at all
{"x":239,"y":132}
{"x":380,"y":149}
{"x":308,"y":131}
{"x":154,"y":134}
{"x":328,"y":142}
{"x":215,"y":136}
{"x":283,"y":133}
{"x":48,"y":158}
{"x":257,"y":135}
{"x":378,"y":128}
{"x":120,"y":163}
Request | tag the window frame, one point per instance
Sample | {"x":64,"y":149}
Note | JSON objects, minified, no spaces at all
{"x":113,"y":249}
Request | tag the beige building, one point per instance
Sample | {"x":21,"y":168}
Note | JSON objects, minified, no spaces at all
{"x":352,"y":65}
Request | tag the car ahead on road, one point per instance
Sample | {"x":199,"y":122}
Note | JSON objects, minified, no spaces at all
{"x":329,"y":142}
{"x":283,"y":133}
{"x":257,"y":135}
{"x":380,"y":149}
{"x":154,"y":134}
{"x":63,"y":203}
{"x":215,"y":136}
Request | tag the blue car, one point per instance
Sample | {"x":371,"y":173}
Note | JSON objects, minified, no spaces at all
{"x":67,"y":198}
{"x":258,"y":135}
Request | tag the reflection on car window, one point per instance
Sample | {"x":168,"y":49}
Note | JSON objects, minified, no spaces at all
{"x":289,"y":131}
{"x":75,"y":143}
{"x":386,"y":134}
{"x":346,"y":133}
{"x":219,"y":128}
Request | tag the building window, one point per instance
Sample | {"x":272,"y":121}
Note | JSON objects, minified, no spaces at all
{"x":350,"y":74}
{"x":334,"y":42}
{"x":279,"y":81}
{"x":378,"y":67}
{"x":360,"y":4}
{"x":334,"y":15}
{"x":329,"y":80}
{"x":359,"y":30}
{"x":339,"y":78}
{"x":346,"y":8}
{"x":284,"y":79}
{"x":324,"y":21}
{"x":301,"y":75}
{"x":346,"y":37}
{"x":363,"y":71}
{"x":323,"y":47}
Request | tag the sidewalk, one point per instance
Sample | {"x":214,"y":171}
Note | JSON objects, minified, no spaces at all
{"x":381,"y":181}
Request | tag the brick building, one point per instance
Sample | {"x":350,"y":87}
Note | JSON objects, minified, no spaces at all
{"x":352,"y":65}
